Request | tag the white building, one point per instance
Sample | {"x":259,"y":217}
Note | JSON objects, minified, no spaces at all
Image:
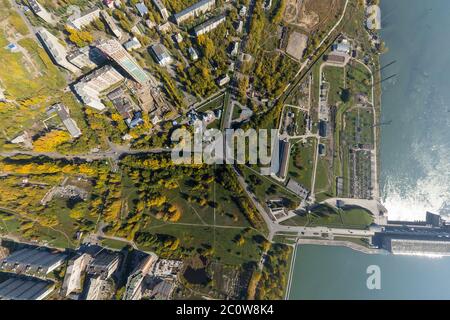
{"x":193,"y":53}
{"x":81,"y":58}
{"x":56,"y":50}
{"x":40,"y":11}
{"x":73,"y":277}
{"x":235,"y":49}
{"x":111,"y":24}
{"x":161,"y":54}
{"x":223,"y":80}
{"x":162,"y":9}
{"x":91,"y":86}
{"x":85,"y":19}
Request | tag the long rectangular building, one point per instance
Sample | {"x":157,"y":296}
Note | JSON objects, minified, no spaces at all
{"x":33,"y":260}
{"x":56,"y":50}
{"x":209,"y":25}
{"x":161,"y":8}
{"x":194,"y":10}
{"x":25,"y":288}
{"x":87,"y":18}
{"x":116,"y":52}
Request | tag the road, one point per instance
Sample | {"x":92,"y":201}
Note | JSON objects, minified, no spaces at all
{"x":26,"y":21}
{"x":115,"y":153}
{"x":315,"y":232}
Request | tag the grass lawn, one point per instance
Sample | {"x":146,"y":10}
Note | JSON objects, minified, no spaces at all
{"x":301,"y":162}
{"x":265,"y":188}
{"x":335,"y":77}
{"x":322,"y":215}
{"x":226,"y":250}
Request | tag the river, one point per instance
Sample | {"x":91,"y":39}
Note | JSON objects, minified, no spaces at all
{"x":415,"y":163}
{"x":415,"y":148}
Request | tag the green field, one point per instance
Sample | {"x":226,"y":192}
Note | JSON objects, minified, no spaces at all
{"x":323,"y":215}
{"x":301,"y":162}
{"x":335,"y":77}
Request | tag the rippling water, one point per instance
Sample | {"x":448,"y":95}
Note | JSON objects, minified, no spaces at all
{"x":415,"y":148}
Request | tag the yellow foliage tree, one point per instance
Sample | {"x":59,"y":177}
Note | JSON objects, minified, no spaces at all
{"x":50,"y":141}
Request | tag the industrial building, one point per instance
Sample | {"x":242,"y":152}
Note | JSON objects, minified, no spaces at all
{"x":91,"y":86}
{"x":116,"y":52}
{"x":73,"y":277}
{"x":69,"y":123}
{"x":135,"y":283}
{"x":194,"y":10}
{"x":429,"y":238}
{"x":25,"y":288}
{"x":104,"y":264}
{"x":86,"y":57}
{"x":34,"y":260}
{"x":209,"y":25}
{"x":161,"y":8}
{"x":111,"y":24}
{"x":87,"y":18}
{"x":56,"y":50}
{"x":161,"y":54}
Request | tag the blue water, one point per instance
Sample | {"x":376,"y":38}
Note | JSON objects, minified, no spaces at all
{"x":323,"y":272}
{"x":415,"y":162}
{"x":415,"y":148}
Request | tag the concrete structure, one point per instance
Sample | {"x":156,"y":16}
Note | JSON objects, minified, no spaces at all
{"x":94,"y":286}
{"x":85,"y":19}
{"x":69,"y":123}
{"x":40,"y":11}
{"x":135,"y":283}
{"x":162,"y":9}
{"x":111,"y":24}
{"x":284,"y":158}
{"x":90,"y":87}
{"x":209,"y":25}
{"x":165,"y":268}
{"x":104,"y":264}
{"x":56,"y":50}
{"x":160,"y":54}
{"x":194,"y":10}
{"x":414,"y":238}
{"x":223,"y":80}
{"x":72,"y":279}
{"x":34,"y":260}
{"x":85,"y":57}
{"x":132,"y":44}
{"x":25,"y":288}
{"x":114,"y":50}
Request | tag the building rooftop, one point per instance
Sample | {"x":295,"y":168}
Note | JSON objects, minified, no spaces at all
{"x":194,"y":7}
{"x":141,"y":8}
{"x":25,"y":288}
